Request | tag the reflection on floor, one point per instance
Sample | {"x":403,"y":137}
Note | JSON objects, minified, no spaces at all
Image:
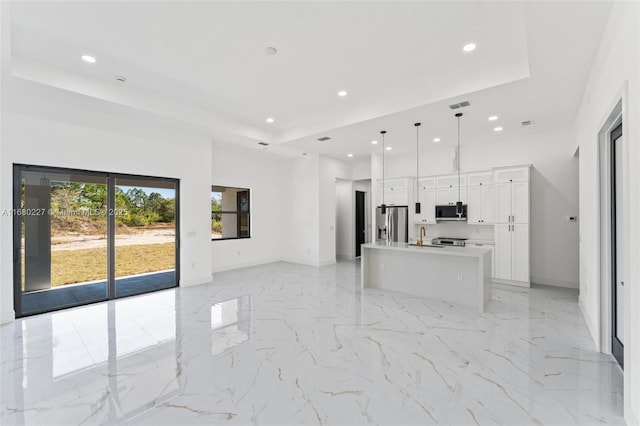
{"x":72,"y":295}
{"x":292,"y":344}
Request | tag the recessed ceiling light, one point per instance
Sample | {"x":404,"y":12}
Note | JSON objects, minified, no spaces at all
{"x":470,"y":47}
{"x":88,"y":58}
{"x":349,"y":155}
{"x":270,"y":120}
{"x":388,"y":148}
{"x":374,"y":142}
{"x":271,"y":50}
{"x":436,"y":140}
{"x":493,"y":118}
{"x":342,"y":93}
{"x":497,"y":129}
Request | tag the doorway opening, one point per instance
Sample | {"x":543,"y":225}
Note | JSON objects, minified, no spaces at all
{"x":617,"y":244}
{"x":82,"y":237}
{"x":360,"y":228}
{"x":612,"y":240}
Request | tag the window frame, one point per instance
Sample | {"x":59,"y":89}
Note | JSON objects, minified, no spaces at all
{"x":238,"y":212}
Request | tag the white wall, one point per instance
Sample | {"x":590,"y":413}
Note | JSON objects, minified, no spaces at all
{"x":51,"y":127}
{"x":554,"y":192}
{"x":303,"y":245}
{"x":361,"y":168}
{"x":344,"y":219}
{"x":330,"y":169}
{"x":617,"y":65}
{"x":266,"y":175}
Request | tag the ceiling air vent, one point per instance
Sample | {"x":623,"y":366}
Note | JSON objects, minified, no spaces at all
{"x":527,"y":123}
{"x":460,"y":105}
{"x":263,"y":143}
{"x":324,"y":138}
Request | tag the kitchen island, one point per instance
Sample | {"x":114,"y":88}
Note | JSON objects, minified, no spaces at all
{"x":459,"y":275}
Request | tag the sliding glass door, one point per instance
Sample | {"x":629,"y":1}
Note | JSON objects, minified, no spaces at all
{"x":83,"y":237}
{"x":145,"y":235}
{"x":60,"y":224}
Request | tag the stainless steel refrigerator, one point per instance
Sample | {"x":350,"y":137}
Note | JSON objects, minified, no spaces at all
{"x":394,"y":225}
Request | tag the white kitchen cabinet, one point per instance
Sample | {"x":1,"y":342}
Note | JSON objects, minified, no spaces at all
{"x":513,"y":202}
{"x":481,"y":204}
{"x":480,"y":178}
{"x":512,"y":253}
{"x":396,"y":196}
{"x":520,"y":252}
{"x":449,"y":181}
{"x":512,"y":225}
{"x":502,"y":238}
{"x":511,"y":174}
{"x":449,"y":196}
{"x":427,"y":198}
{"x":394,"y":193}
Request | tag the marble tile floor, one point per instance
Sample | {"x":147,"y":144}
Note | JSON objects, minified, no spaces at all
{"x":286,"y":344}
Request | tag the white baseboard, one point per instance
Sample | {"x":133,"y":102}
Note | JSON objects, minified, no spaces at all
{"x":244,"y":264}
{"x":555,"y":283}
{"x":7,"y":317}
{"x":195,"y":281}
{"x":593,"y":330}
{"x":327,"y":262}
{"x":344,"y":257}
{"x":513,"y":283}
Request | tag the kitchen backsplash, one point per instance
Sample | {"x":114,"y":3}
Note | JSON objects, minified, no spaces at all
{"x":458,"y":230}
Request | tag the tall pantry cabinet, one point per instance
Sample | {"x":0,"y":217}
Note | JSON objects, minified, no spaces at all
{"x":511,"y":229}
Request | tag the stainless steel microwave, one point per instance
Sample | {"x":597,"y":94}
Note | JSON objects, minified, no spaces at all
{"x":448,"y":212}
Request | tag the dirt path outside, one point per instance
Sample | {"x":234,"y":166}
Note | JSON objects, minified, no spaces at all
{"x":83,"y":242}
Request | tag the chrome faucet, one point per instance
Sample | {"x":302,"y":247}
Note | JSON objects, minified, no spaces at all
{"x":423,"y":233}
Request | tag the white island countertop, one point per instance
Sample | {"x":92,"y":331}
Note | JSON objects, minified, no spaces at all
{"x":428,"y":248}
{"x":454,"y":274}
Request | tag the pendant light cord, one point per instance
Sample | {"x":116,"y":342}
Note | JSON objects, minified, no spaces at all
{"x":383,"y":148}
{"x":458,"y":154}
{"x":417,"y":160}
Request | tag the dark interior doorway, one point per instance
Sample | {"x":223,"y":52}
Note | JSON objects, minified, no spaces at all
{"x":360,"y":221}
{"x":617,"y":247}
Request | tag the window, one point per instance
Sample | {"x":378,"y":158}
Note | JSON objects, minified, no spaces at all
{"x":229,"y":213}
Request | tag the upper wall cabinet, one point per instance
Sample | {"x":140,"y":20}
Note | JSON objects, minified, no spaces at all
{"x":450,"y":181}
{"x":512,"y":188}
{"x":482,"y":198}
{"x":511,"y":174}
{"x":427,"y":198}
{"x":395,"y":192}
{"x":449,"y":196}
{"x":448,"y":192}
{"x":482,"y":204}
{"x":480,"y":178}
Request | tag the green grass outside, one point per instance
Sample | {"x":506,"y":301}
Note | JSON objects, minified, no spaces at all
{"x":77,"y":266}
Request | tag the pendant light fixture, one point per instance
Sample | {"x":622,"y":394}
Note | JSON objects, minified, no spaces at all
{"x":459,"y":202}
{"x":383,"y":207}
{"x":417,"y":164}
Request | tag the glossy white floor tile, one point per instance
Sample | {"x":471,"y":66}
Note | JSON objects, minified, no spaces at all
{"x":290,"y":344}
